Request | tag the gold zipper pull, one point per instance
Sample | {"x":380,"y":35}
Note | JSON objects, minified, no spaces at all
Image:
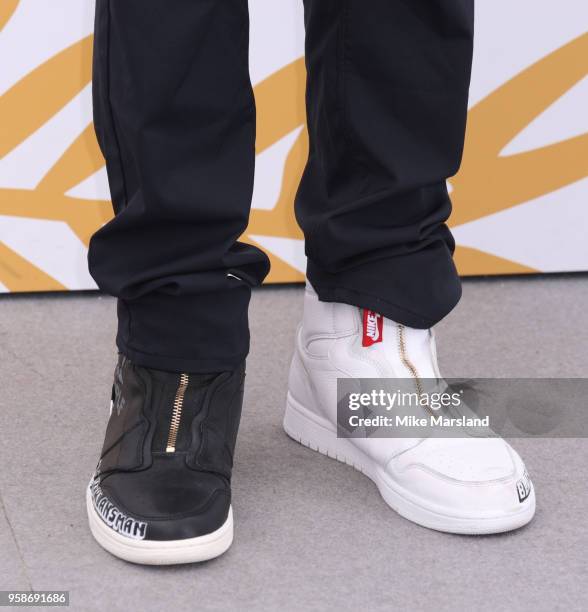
{"x":177,"y":413}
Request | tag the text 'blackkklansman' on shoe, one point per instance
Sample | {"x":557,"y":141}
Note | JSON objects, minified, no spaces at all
{"x":161,"y":493}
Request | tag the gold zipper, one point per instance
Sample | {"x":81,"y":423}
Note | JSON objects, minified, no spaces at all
{"x":177,"y":414}
{"x":409,"y":365}
{"x":405,"y":360}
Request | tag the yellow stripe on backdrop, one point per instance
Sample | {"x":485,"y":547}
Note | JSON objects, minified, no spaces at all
{"x":489,"y":182}
{"x":7,"y":8}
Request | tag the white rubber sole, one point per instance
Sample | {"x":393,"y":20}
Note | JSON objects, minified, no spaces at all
{"x":316,"y":433}
{"x":151,"y":552}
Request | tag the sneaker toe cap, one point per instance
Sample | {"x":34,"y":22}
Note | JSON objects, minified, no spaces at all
{"x":171,"y":509}
{"x":465,"y":477}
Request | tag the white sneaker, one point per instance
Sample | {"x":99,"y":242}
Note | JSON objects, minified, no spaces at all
{"x":458,"y":485}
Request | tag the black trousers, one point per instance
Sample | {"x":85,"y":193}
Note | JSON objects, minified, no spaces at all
{"x":175,"y":118}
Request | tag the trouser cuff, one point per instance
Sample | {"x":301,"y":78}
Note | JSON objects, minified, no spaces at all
{"x":204,"y":333}
{"x":415,"y":289}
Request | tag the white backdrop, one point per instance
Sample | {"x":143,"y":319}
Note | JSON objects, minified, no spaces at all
{"x":42,"y":250}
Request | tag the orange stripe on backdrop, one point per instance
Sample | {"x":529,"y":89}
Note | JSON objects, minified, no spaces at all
{"x":29,"y":104}
{"x":83,"y":216}
{"x":472,"y":262}
{"x":81,"y":160}
{"x":488,"y":183}
{"x":7,"y":8}
{"x":280,"y":104}
{"x":18,"y":274}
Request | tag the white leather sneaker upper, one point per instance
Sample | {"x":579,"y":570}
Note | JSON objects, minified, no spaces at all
{"x":466,"y":477}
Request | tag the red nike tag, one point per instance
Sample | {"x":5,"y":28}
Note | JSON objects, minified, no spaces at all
{"x":373,"y":327}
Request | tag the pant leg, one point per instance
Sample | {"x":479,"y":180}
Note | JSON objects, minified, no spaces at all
{"x":175,"y":118}
{"x":387,"y":102}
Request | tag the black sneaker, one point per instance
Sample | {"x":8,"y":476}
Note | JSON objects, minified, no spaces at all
{"x":161,"y":493}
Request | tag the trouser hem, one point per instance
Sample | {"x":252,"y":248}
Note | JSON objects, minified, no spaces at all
{"x":387,"y":309}
{"x":416,"y":290}
{"x":205,"y":333}
{"x":181,"y":365}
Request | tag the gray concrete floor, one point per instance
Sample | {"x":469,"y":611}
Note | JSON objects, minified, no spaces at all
{"x":311,"y":534}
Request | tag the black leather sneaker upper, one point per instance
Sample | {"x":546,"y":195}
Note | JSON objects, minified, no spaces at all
{"x":165,"y":468}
